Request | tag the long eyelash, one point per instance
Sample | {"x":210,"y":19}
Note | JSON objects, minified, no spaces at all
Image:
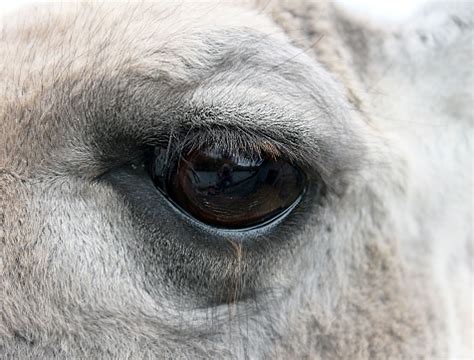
{"x":236,"y":143}
{"x":224,"y":141}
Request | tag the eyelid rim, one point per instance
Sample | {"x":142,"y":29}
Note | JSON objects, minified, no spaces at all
{"x":254,"y":229}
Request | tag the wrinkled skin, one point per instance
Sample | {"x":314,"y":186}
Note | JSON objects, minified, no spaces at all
{"x":95,"y":262}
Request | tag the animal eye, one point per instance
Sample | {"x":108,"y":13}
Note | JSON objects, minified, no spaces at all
{"x":228,"y":191}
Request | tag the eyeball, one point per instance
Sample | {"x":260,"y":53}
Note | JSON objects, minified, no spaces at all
{"x":228,"y":190}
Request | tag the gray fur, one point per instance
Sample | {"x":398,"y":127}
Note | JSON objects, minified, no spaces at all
{"x":96,"y":264}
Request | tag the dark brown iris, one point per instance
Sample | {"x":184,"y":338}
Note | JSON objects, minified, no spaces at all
{"x":229,"y":191}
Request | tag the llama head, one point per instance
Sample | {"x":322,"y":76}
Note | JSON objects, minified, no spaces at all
{"x":104,"y":255}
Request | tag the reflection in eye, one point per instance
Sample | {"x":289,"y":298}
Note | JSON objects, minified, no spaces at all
{"x":228,"y":191}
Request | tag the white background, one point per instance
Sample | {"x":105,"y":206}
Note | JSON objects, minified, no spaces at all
{"x":380,"y":10}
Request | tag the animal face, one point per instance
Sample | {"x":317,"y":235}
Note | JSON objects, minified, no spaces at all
{"x":233,"y":180}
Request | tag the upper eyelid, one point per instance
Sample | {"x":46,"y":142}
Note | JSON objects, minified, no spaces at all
{"x":151,"y":114}
{"x":242,"y":140}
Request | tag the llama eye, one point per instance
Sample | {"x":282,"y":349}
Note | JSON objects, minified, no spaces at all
{"x":228,"y":191}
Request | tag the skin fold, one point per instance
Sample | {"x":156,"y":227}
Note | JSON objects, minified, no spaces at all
{"x":96,"y":263}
